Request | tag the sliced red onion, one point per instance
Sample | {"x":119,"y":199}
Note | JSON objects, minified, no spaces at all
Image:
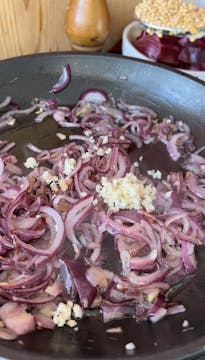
{"x":33,"y":301}
{"x":7,"y":334}
{"x":136,"y":109}
{"x":7,"y":244}
{"x":192,"y":182}
{"x":43,"y":321}
{"x":30,"y":291}
{"x":5,"y":102}
{"x":143,"y":262}
{"x":13,"y":168}
{"x":94,"y":95}
{"x":60,"y":118}
{"x":173,"y":146}
{"x":99,"y":277}
{"x":175,"y":309}
{"x":115,"y":311}
{"x":58,"y":240}
{"x":64,"y":80}
{"x":188,"y":256}
{"x":74,"y":216}
{"x":147,"y":279}
{"x":65,"y":275}
{"x":27,"y":223}
{"x":86,"y":291}
{"x":156,"y":306}
{"x":14,"y":113}
{"x":15,"y":106}
{"x":34,"y":148}
{"x":6,"y":146}
{"x":80,"y":137}
{"x":1,"y":167}
{"x":51,"y":104}
{"x":43,"y":115}
{"x":115,"y":113}
{"x":114,"y":227}
{"x":22,"y":281}
{"x":16,"y":318}
{"x":160,"y":314}
{"x":55,"y":289}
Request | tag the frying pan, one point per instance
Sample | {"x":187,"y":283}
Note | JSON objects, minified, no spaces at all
{"x":167,"y":92}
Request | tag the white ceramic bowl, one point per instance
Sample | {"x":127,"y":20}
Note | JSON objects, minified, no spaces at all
{"x":130,"y":33}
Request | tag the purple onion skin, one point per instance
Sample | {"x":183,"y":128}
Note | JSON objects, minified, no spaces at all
{"x":97,"y":94}
{"x":15,"y":106}
{"x":51,"y":104}
{"x":86,"y":291}
{"x":64,"y":80}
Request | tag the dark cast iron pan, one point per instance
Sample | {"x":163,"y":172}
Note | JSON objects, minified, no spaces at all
{"x":166,"y":91}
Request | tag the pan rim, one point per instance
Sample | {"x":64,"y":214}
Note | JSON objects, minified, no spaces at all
{"x":106,"y":55}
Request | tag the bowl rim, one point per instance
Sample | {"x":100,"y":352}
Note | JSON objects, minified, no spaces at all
{"x":126,"y":37}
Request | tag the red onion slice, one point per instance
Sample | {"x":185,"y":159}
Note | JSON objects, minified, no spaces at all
{"x":86,"y":291}
{"x":94,"y":95}
{"x":23,"y":281}
{"x":16,"y":318}
{"x":188,"y":257}
{"x":7,"y":334}
{"x":43,"y":321}
{"x":160,"y":314}
{"x":14,"y":113}
{"x":56,"y":226}
{"x":74,"y":216}
{"x":33,"y":301}
{"x":43,"y":115}
{"x":175,"y":309}
{"x":143,"y":262}
{"x":147,"y":279}
{"x":58,"y":240}
{"x":1,"y":167}
{"x":5,"y":102}
{"x":64,"y":80}
{"x":173,"y":147}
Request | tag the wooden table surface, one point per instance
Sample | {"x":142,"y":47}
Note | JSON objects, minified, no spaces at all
{"x":33,"y":26}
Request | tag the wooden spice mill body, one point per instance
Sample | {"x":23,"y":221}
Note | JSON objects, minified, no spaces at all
{"x":87,"y":24}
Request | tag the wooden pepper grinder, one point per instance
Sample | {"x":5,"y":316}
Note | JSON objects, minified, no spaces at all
{"x":87,"y":24}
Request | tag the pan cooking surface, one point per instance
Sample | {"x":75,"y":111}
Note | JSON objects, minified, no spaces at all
{"x":167,"y":92}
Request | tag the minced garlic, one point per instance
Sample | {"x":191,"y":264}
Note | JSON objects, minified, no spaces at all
{"x":61,"y":136}
{"x":30,"y":163}
{"x":87,"y":155}
{"x":69,"y":166}
{"x":77,"y":311}
{"x":71,"y":323}
{"x":62,"y":313}
{"x":156,"y":174}
{"x":152,"y":296}
{"x":63,"y":185}
{"x":127,"y":193}
{"x":49,"y":178}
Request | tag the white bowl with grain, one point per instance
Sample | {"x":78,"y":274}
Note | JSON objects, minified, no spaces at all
{"x":130,"y":33}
